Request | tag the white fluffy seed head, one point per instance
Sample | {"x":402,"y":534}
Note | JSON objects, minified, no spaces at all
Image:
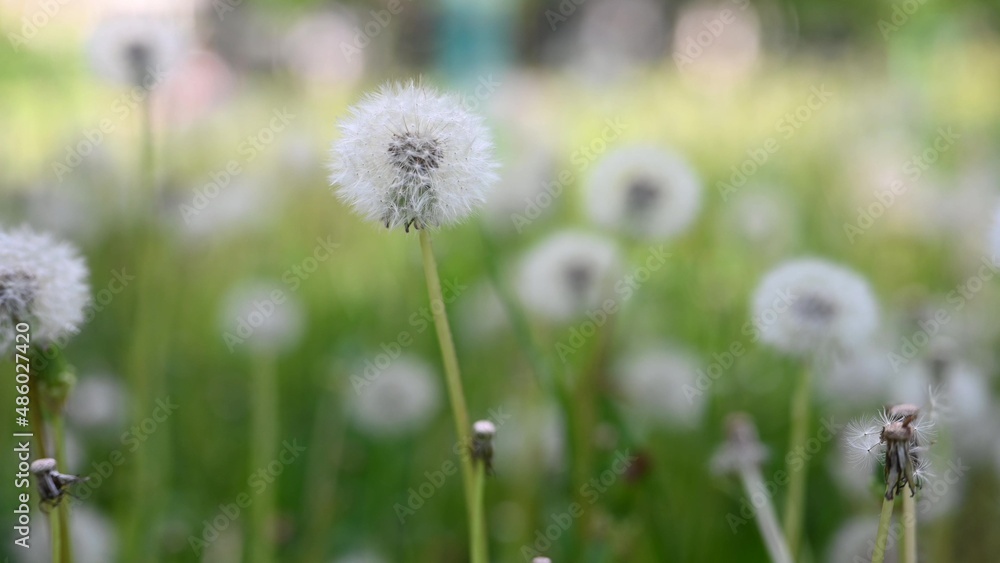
{"x":808,"y":306}
{"x":136,"y":50}
{"x":568,"y":274}
{"x":98,"y":402}
{"x":484,"y":429}
{"x":43,"y":282}
{"x":653,"y":384}
{"x":400,"y":399}
{"x":646,"y":191}
{"x":409,"y":155}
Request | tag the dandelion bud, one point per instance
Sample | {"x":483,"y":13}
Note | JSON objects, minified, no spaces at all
{"x":136,"y":50}
{"x":43,"y":465}
{"x":483,"y":432}
{"x":411,"y":156}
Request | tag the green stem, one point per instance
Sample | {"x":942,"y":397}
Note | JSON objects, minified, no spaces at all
{"x":55,"y":530}
{"x":767,"y":518}
{"x":882,"y":538}
{"x":909,"y":529}
{"x":65,"y":542}
{"x":479,"y":549}
{"x":450,"y":359}
{"x":263,"y":441}
{"x":322,"y":479}
{"x":796,"y":500}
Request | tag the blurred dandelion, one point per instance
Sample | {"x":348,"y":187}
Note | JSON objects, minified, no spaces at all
{"x":652,"y":384}
{"x":567,"y":274}
{"x":136,"y":50}
{"x":401,"y":400}
{"x":645,"y":191}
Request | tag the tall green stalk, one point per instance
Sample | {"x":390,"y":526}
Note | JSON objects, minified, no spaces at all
{"x":796,"y":500}
{"x":65,"y":538}
{"x":909,"y":529}
{"x":263,"y":448}
{"x":452,"y":375}
{"x":882,"y":537}
{"x":478,"y":549}
{"x":767,"y":519}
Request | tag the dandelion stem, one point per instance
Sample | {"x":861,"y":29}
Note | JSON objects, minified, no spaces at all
{"x":478,"y":549}
{"x":767,"y":518}
{"x":881,"y":539}
{"x":55,"y":531}
{"x":909,"y":529}
{"x":65,"y":543}
{"x":450,"y":360}
{"x":795,"y":502}
{"x":263,"y":439}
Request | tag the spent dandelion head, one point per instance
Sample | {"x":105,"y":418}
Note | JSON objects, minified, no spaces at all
{"x":567,"y":274}
{"x":411,"y":156}
{"x":742,"y":447}
{"x":898,"y":437}
{"x":808,"y":306}
{"x":136,"y":50}
{"x":646,"y":191}
{"x":43,"y":282}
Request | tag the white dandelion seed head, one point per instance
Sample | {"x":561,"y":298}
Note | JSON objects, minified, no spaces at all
{"x":644,"y":190}
{"x":484,"y":428}
{"x":742,"y":448}
{"x":862,"y":442}
{"x":810,"y":306}
{"x":43,"y":282}
{"x":98,"y":402}
{"x":534,"y":437}
{"x":409,"y":155}
{"x":136,"y":50}
{"x":401,"y":399}
{"x":262,"y":316}
{"x":567,"y":274}
{"x":481,"y":314}
{"x":653,"y":384}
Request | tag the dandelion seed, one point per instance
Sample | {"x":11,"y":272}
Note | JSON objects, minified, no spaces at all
{"x":136,"y":50}
{"x":809,"y":306}
{"x":646,"y":191}
{"x":410,"y":156}
{"x":43,"y":282}
{"x":567,"y":274}
{"x":401,"y":399}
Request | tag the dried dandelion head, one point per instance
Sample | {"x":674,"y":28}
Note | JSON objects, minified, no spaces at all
{"x":897,"y":437}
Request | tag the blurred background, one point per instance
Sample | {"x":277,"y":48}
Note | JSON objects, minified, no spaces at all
{"x":864,"y":132}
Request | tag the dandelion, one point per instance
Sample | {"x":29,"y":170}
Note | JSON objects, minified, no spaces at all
{"x":399,"y":400}
{"x":810,"y":305}
{"x":743,"y":454}
{"x":567,"y":274}
{"x":43,"y":282}
{"x":645,"y":191}
{"x":263,"y":316}
{"x":483,"y":432}
{"x":656,"y":384}
{"x":806,"y":307}
{"x":898,"y":438}
{"x":411,"y":156}
{"x":136,"y":50}
{"x":99,"y":402}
